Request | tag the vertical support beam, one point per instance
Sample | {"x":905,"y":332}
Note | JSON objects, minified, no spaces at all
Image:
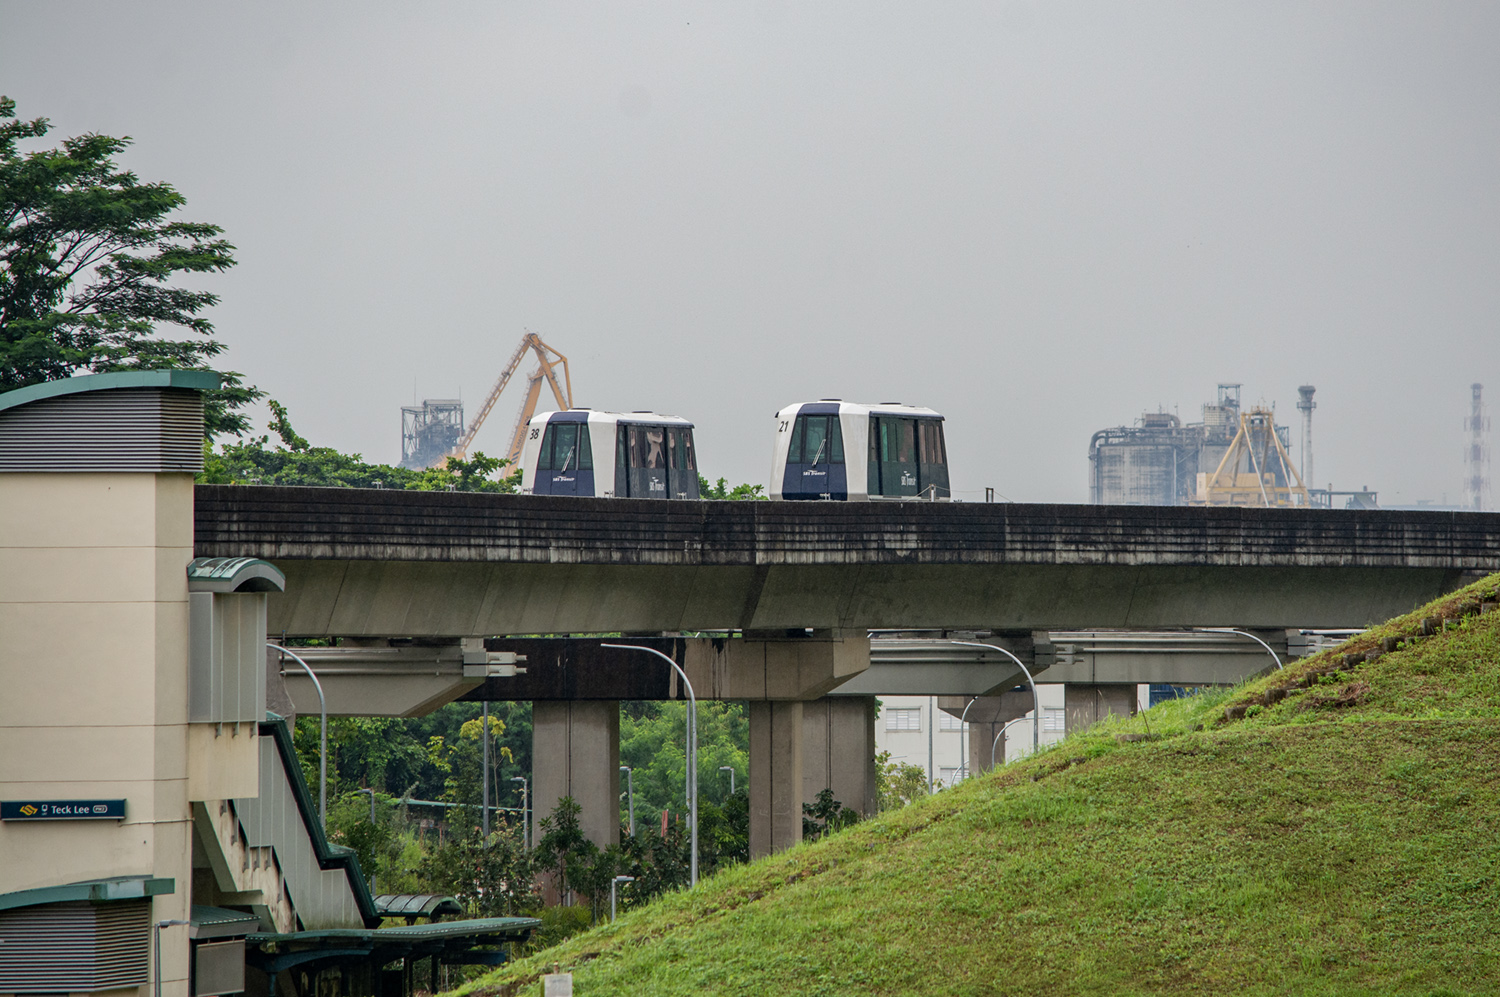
{"x":838,"y":751}
{"x":1086,"y":705}
{"x":575,"y":751}
{"x":775,"y":776}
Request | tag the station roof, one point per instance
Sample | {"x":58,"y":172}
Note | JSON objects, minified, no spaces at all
{"x":96,"y":890}
{"x":410,"y":905}
{"x":193,"y":380}
{"x":234,"y":574}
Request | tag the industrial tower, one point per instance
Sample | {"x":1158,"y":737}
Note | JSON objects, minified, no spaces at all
{"x":1477,"y":457}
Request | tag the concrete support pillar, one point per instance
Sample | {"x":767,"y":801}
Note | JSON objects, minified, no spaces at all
{"x":987,"y":717}
{"x":1086,"y":705}
{"x":775,"y":776}
{"x":575,"y":750}
{"x":838,"y":751}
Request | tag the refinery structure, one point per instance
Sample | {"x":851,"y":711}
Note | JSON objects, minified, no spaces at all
{"x":1233,"y":457}
{"x":435,"y":431}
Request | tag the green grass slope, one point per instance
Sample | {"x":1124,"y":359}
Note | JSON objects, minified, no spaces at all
{"x":1330,"y":828}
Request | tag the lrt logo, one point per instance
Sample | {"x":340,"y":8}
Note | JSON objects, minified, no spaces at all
{"x":29,"y":810}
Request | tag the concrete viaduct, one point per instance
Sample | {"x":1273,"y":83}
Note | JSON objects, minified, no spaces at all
{"x":800,"y":585}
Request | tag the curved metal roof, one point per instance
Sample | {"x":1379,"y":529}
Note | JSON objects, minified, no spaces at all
{"x":234,"y":574}
{"x":193,"y":380}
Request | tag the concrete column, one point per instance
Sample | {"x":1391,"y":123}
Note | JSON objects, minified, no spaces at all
{"x":838,"y":751}
{"x":987,"y":717}
{"x":1086,"y":705}
{"x":775,"y":776}
{"x":575,"y":751}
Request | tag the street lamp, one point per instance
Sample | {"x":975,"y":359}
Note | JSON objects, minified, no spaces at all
{"x":1036,"y":701}
{"x":1243,"y":633}
{"x":630,"y":795}
{"x":322,"y":739}
{"x":525,"y":809}
{"x":612,"y":884}
{"x":157,"y":927}
{"x":963,"y":742}
{"x":484,"y":772}
{"x":692,"y":750}
{"x":730,"y":770}
{"x":996,"y":742}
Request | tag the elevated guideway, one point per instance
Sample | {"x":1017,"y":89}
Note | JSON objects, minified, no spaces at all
{"x":378,"y":563}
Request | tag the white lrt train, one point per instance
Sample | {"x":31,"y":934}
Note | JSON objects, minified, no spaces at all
{"x":819,"y":447}
{"x":609,"y":455}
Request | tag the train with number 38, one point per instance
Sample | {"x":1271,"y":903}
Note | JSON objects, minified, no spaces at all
{"x":609,"y":455}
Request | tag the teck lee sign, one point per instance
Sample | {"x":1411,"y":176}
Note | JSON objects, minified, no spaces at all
{"x":62,"y":809}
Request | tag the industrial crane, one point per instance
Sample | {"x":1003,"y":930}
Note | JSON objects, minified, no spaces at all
{"x":549,"y":360}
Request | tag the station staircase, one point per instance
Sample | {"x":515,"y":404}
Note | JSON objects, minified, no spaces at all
{"x":270,"y":854}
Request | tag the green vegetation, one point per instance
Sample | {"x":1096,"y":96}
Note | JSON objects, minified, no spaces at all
{"x":722,"y":492}
{"x":297,"y":462}
{"x":1340,"y":840}
{"x":88,"y":255}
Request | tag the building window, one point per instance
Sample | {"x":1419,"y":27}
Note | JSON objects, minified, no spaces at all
{"x":949,"y":722}
{"x":948,"y":776}
{"x":1054,"y":720}
{"x":904,"y":719}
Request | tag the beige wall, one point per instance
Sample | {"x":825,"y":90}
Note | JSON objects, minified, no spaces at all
{"x":93,"y":685}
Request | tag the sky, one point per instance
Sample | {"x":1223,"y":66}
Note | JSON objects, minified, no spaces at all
{"x":1040,"y":219}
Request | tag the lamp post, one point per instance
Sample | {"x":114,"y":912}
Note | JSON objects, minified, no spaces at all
{"x":612,"y":883}
{"x":484,"y":773}
{"x":1243,"y":633}
{"x":963,"y":740}
{"x":1036,"y":701}
{"x":996,"y":742}
{"x":692,"y":750}
{"x":730,"y":770}
{"x":157,"y":930}
{"x":630,"y":795}
{"x":525,"y":808}
{"x":322,"y":738}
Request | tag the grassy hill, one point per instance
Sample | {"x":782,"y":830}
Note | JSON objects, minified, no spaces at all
{"x":1333,"y":828}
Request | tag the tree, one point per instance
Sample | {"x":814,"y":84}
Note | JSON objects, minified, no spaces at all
{"x":897,"y":783}
{"x":298,"y":462}
{"x":722,"y":492}
{"x":88,"y":256}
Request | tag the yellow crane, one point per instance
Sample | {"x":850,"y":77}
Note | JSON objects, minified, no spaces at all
{"x":1256,"y":469}
{"x":548,"y":363}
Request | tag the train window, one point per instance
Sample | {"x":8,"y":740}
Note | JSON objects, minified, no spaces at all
{"x":931,"y":432}
{"x":565,"y":446}
{"x":585,"y":448}
{"x":680,"y":447}
{"x":898,"y":440}
{"x":816,"y":439}
{"x":647,"y":446}
{"x":544,"y":457}
{"x":620,"y":445}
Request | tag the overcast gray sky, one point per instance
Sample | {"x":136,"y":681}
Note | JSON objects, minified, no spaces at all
{"x":1040,"y":219}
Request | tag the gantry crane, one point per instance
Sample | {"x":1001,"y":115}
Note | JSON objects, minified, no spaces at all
{"x":1256,"y":469}
{"x":549,"y":360}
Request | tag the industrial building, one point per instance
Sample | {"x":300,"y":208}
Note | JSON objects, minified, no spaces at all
{"x":1231,"y":457}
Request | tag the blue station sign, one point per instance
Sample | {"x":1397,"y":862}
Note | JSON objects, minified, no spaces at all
{"x":62,"y":809}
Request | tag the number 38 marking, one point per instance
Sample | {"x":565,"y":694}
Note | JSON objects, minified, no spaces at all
{"x":535,"y":432}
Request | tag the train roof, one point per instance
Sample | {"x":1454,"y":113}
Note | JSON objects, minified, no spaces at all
{"x":585,"y":414}
{"x":862,"y":408}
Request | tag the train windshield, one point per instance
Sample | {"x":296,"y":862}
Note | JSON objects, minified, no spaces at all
{"x":565,"y":447}
{"x":907,"y":457}
{"x":816,"y":439}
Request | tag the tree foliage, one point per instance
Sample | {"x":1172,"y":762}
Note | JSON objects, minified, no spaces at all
{"x":297,"y":462}
{"x":88,"y":259}
{"x":722,"y":492}
{"x":897,"y":783}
